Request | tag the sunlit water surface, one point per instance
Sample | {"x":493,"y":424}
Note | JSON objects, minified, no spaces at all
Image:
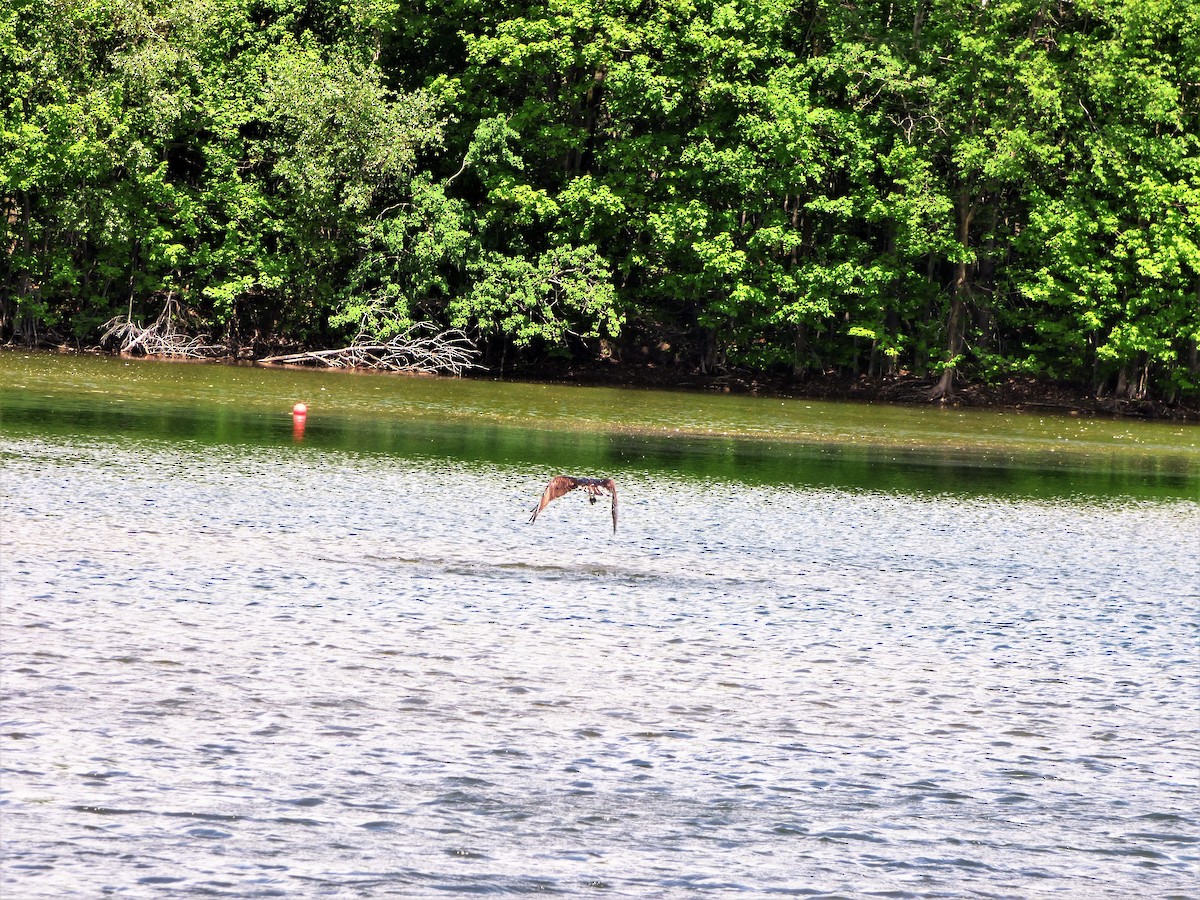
{"x":245,"y":666}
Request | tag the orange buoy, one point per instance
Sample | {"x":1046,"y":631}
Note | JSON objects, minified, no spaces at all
{"x":299,"y":418}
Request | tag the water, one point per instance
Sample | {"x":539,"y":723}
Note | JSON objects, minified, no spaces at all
{"x":239,"y":665}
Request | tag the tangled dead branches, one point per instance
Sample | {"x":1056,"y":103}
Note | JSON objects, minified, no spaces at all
{"x":161,"y":338}
{"x":420,"y":348}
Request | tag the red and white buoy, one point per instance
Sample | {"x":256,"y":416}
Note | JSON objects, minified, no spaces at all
{"x":299,"y":417}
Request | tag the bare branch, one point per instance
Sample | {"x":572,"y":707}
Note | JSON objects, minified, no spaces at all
{"x":161,"y":338}
{"x":420,"y":348}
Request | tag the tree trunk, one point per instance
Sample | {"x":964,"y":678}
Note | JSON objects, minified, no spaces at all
{"x":1194,"y":345}
{"x":893,"y":329}
{"x":712,"y":358}
{"x":580,"y":157}
{"x":7,"y":289}
{"x":955,"y":326}
{"x":24,"y":325}
{"x":799,"y":361}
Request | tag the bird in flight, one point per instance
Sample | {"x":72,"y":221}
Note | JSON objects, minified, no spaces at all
{"x":564,"y":484}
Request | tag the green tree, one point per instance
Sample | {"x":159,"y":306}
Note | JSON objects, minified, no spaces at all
{"x":217,"y":152}
{"x":1112,"y":250}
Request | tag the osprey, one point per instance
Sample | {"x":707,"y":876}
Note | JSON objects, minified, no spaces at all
{"x":564,"y":484}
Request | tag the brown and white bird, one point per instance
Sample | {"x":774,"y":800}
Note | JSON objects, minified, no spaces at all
{"x":564,"y":484}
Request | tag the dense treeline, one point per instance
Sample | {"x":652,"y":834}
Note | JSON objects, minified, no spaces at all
{"x":970,"y":188}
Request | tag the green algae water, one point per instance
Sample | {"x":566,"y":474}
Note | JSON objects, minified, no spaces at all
{"x":831,"y":650}
{"x":562,"y":428}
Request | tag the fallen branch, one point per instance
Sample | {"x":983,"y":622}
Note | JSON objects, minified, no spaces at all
{"x":418,"y":349}
{"x":160,"y":338}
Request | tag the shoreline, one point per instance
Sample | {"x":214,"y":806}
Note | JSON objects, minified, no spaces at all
{"x":1029,"y":395}
{"x":1014,"y":394}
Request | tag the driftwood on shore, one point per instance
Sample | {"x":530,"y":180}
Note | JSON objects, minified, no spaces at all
{"x":420,"y":348}
{"x":162,"y":337}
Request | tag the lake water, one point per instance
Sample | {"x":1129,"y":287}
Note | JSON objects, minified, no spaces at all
{"x":831,"y":650}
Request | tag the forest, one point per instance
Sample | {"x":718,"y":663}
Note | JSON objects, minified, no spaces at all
{"x":955,"y":191}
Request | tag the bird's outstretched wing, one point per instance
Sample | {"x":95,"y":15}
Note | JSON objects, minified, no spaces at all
{"x":559,"y":485}
{"x":611,"y":486}
{"x":564,"y":484}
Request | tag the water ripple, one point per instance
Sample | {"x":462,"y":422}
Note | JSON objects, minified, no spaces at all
{"x":218,"y":682}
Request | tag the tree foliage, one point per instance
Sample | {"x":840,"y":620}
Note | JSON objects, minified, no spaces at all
{"x":945,"y":188}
